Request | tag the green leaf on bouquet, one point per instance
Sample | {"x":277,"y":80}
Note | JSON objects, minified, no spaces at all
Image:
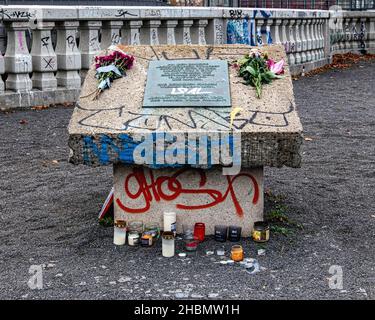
{"x":251,"y":70}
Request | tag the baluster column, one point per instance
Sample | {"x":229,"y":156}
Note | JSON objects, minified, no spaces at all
{"x":298,"y":41}
{"x":276,"y":34}
{"x":111,"y":33}
{"x":284,"y":36}
{"x":347,"y":34}
{"x":183,"y":31}
{"x":363,"y":35}
{"x":44,"y":59}
{"x":167,"y":32}
{"x":198,"y":34}
{"x":216,"y":33}
{"x":130,"y":34}
{"x":2,"y":70}
{"x":17,"y":59}
{"x":314,"y":42}
{"x":269,"y":39}
{"x":259,"y":39}
{"x":149,"y":34}
{"x":321,"y":38}
{"x":309,"y":40}
{"x":355,"y":34}
{"x":304,"y":41}
{"x":89,"y":42}
{"x":68,"y":55}
{"x":292,"y":43}
{"x":371,"y":35}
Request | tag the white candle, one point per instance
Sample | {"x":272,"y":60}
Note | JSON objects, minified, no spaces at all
{"x":168,"y":244}
{"x":119,"y":233}
{"x":170,"y":222}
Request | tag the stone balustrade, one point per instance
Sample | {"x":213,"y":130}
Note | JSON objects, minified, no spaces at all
{"x":48,"y":49}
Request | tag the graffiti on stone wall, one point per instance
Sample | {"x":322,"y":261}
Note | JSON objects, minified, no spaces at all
{"x":195,"y":119}
{"x":141,"y":189}
{"x":163,"y":149}
{"x":242,"y":29}
{"x":360,"y":35}
{"x":348,"y":33}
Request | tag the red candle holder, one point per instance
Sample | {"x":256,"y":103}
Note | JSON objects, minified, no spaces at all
{"x":199,"y":231}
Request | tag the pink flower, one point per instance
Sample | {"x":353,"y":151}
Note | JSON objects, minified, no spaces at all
{"x":236,"y":66}
{"x":276,"y":68}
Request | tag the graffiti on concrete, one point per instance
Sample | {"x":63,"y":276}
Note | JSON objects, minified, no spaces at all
{"x":27,"y":15}
{"x":146,"y":187}
{"x":242,"y":29}
{"x":163,"y":149}
{"x":206,"y":118}
{"x":124,"y":13}
{"x":360,"y":35}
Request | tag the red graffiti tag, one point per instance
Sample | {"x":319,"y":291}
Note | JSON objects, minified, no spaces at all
{"x":174,"y":188}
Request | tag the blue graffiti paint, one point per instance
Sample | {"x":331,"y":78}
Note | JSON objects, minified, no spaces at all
{"x":123,"y":151}
{"x":269,"y":37}
{"x":105,"y":148}
{"x":244,"y":31}
{"x":238,"y":31}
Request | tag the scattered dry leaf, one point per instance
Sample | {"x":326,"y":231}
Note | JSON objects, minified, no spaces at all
{"x":46,"y":163}
{"x":39,"y":108}
{"x":308,"y":139}
{"x":68,"y":104}
{"x":23,"y":121}
{"x":339,"y":61}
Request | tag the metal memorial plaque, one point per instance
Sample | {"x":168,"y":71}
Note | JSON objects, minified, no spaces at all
{"x":187,"y":83}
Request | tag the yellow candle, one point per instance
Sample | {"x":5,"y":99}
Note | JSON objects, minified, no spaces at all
{"x":237,"y":253}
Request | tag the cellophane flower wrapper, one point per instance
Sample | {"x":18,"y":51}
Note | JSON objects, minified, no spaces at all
{"x":111,"y":67}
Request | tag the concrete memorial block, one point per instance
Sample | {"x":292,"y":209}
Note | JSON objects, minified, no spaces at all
{"x":112,"y":129}
{"x":143,"y":193}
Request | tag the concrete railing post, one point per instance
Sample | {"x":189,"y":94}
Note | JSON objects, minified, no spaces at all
{"x":276,"y":33}
{"x":292,"y":43}
{"x":284,"y":35}
{"x":2,"y":70}
{"x":150,"y":33}
{"x":183,"y":32}
{"x":259,"y":38}
{"x":364,"y":27}
{"x":130,"y":33}
{"x":297,"y":38}
{"x":348,"y":35}
{"x":111,"y":33}
{"x":304,"y":41}
{"x":216,"y":31}
{"x":321,"y":38}
{"x":167,"y":32}
{"x":314,"y":51}
{"x":89,"y":43}
{"x":326,"y":39}
{"x":308,"y":40}
{"x":44,"y":59}
{"x":17,"y":58}
{"x":68,"y":55}
{"x":269,"y":23}
{"x":198,"y":34}
{"x":355,"y":34}
{"x":371,"y":35}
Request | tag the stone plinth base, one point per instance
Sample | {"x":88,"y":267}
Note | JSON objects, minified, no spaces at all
{"x":196,"y":195}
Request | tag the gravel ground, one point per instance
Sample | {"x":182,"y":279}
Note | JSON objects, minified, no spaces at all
{"x":48,"y":212}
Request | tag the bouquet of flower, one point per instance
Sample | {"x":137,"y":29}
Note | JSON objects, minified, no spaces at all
{"x":110,"y":68}
{"x":257,"y":69}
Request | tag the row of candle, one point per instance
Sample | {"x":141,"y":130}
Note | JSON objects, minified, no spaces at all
{"x":146,"y":235}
